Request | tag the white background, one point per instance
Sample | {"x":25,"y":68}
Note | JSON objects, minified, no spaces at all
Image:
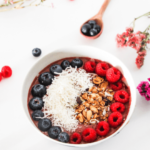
{"x":24,"y":29}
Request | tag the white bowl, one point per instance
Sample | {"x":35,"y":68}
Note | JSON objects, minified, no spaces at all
{"x":77,"y":51}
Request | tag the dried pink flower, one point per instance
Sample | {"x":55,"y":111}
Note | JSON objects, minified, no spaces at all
{"x":139,"y":61}
{"x":147,"y":95}
{"x":143,"y":87}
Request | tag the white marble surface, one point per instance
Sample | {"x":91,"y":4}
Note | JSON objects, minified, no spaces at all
{"x":24,"y":29}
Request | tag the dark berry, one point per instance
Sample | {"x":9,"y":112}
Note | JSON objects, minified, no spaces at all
{"x":38,"y":90}
{"x":92,"y":23}
{"x":53,"y":132}
{"x":93,"y":32}
{"x":36,"y":103}
{"x":76,"y":63}
{"x":85,"y":29}
{"x":6,"y":72}
{"x":79,"y":100}
{"x":36,"y":114}
{"x":97,"y":27}
{"x":63,"y":137}
{"x":54,"y":69}
{"x":46,"y":78}
{"x":65,"y":64}
{"x":36,"y":52}
{"x":44,"y":124}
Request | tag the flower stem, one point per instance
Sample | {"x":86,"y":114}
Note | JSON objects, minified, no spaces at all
{"x":147,"y":29}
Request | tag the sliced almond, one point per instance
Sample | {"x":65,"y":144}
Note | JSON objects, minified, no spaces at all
{"x":104,"y":85}
{"x":93,"y":109}
{"x":81,"y":118}
{"x":86,"y":104}
{"x":98,"y":80}
{"x":94,"y":90}
{"x":89,"y":115}
{"x":95,"y":116}
{"x":84,"y":113}
{"x":84,"y":96}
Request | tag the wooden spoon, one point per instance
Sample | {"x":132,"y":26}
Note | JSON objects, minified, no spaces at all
{"x":98,"y":19}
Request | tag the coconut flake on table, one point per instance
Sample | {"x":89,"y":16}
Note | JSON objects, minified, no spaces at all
{"x":61,"y":97}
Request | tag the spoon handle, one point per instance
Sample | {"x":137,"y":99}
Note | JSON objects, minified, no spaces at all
{"x":103,"y":8}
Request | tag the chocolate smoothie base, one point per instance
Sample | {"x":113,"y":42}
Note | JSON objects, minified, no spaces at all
{"x":81,"y":127}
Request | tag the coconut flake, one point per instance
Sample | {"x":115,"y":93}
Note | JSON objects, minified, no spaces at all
{"x":61,"y":97}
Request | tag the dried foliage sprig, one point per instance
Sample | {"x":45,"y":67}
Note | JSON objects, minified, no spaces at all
{"x":137,"y":41}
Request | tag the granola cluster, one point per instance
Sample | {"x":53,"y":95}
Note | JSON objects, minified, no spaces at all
{"x":94,"y":104}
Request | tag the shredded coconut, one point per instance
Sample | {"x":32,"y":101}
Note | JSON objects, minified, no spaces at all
{"x":61,"y":97}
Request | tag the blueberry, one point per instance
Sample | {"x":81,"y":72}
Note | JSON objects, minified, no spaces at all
{"x":93,"y":32}
{"x":36,"y":103}
{"x":36,"y":52}
{"x":63,"y":137}
{"x":85,"y":29}
{"x":36,"y":114}
{"x":97,"y":27}
{"x":55,"y":68}
{"x":65,"y":64}
{"x":44,"y":124}
{"x":53,"y":132}
{"x":38,"y":90}
{"x":46,"y":78}
{"x":76,"y":62}
{"x":92,"y":22}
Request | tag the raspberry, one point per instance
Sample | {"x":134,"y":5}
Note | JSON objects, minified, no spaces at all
{"x":89,"y":135}
{"x":102,"y":128}
{"x":75,"y":138}
{"x":89,"y":66}
{"x":121,"y":96}
{"x":117,"y":107}
{"x":101,"y":69}
{"x":0,"y":76}
{"x":116,"y":86}
{"x":115,"y":119}
{"x":6,"y":72}
{"x":113,"y":75}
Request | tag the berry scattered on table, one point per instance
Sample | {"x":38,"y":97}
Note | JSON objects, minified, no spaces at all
{"x":121,"y":96}
{"x":116,"y":86}
{"x":38,"y":90}
{"x":46,"y":78}
{"x":117,"y":107}
{"x":44,"y":124}
{"x":6,"y":71}
{"x":76,"y":63}
{"x":113,"y":75}
{"x":63,"y":137}
{"x":65,"y":64}
{"x":54,"y":131}
{"x":101,"y":69}
{"x":75,"y":138}
{"x":54,"y":69}
{"x":36,"y":103}
{"x":89,"y":135}
{"x":89,"y":66}
{"x":36,"y":114}
{"x":115,"y":119}
{"x":36,"y":52}
{"x":102,"y":128}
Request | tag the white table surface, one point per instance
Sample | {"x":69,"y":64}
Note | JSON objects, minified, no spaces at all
{"x":24,"y":29}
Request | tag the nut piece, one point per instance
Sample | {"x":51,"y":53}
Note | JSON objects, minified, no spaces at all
{"x":93,"y":109}
{"x":94,"y":90}
{"x":84,"y":113}
{"x":84,"y":96}
{"x":104,"y":85}
{"x":81,"y":119}
{"x":89,"y":115}
{"x":98,"y":80}
{"x":86,"y":104}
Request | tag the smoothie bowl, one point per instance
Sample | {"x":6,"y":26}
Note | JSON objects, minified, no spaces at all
{"x":78,"y":96}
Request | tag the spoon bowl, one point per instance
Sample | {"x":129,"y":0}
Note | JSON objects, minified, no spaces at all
{"x":98,"y":19}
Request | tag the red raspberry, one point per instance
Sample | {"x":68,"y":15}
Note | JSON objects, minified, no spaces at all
{"x":121,"y":96}
{"x":89,"y":135}
{"x":101,"y":69}
{"x":113,"y":75}
{"x":75,"y":138}
{"x":0,"y":76}
{"x":117,"y":107}
{"x":102,"y":128}
{"x":6,"y":72}
{"x":89,"y":66}
{"x":116,"y":86}
{"x":115,"y":119}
